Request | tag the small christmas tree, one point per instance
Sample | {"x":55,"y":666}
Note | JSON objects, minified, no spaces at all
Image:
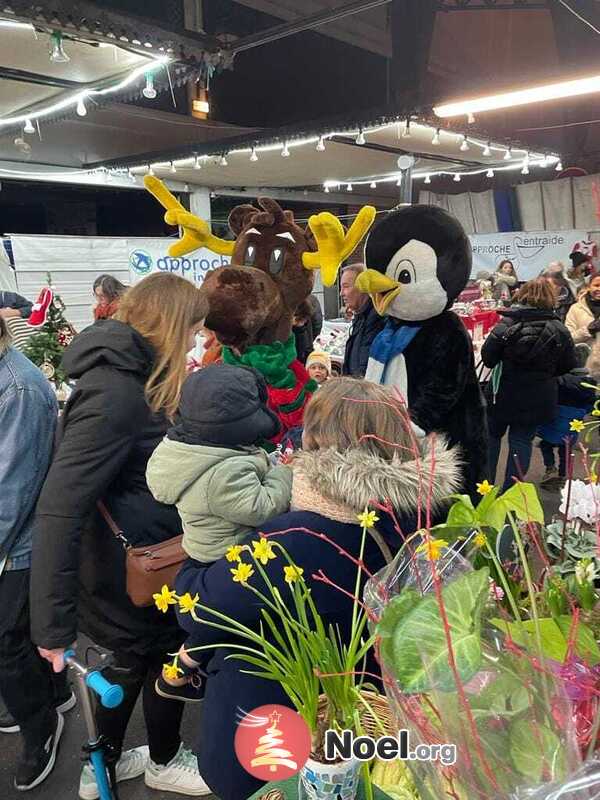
{"x":46,"y":347}
{"x":270,"y":752}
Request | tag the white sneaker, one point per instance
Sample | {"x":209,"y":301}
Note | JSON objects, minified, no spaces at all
{"x":131,"y":765}
{"x":179,"y":775}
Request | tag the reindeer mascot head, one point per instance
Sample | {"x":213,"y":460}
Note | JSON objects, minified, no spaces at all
{"x":252,"y":300}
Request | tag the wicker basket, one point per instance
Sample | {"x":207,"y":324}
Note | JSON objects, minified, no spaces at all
{"x":371,"y":722}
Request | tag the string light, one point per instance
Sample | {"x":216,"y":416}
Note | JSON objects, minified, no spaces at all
{"x":149,"y":91}
{"x":223,"y":161}
{"x":487,"y":150}
{"x":253,"y":156}
{"x":465,"y":145}
{"x":470,"y":119}
{"x":28,"y":127}
{"x":436,"y":138}
{"x":320,"y":145}
{"x":508,"y":155}
{"x":186,"y":187}
{"x":173,"y":168}
{"x":525,"y":170}
{"x":150,"y":170}
{"x":57,"y":50}
{"x":132,"y":177}
{"x":373,"y":185}
{"x":360,"y":139}
{"x":490,"y":173}
{"x":326,"y":190}
{"x":427,"y":179}
{"x":457,"y":178}
{"x":285,"y":153}
{"x":81,"y":109}
{"x":399,"y":181}
{"x":349,"y":187}
{"x":406,"y":131}
{"x":559,"y":167}
{"x":197,"y":164}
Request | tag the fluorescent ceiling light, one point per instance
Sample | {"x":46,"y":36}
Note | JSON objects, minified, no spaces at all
{"x":536,"y":94}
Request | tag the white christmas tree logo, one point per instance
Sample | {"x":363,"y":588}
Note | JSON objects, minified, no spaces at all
{"x":271,"y":751}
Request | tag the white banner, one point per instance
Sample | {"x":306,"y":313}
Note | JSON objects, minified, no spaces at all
{"x":530,"y":252}
{"x":145,"y":256}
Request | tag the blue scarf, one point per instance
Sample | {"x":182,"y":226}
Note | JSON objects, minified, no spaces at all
{"x":390,"y":342}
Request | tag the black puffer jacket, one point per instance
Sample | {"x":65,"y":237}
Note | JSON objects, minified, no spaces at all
{"x":106,"y":437}
{"x":534,"y":348}
{"x":367,"y":323}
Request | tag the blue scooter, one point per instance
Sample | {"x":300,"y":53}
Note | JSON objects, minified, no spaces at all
{"x":96,"y":749}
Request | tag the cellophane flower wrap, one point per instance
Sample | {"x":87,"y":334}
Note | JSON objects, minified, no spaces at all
{"x":455,"y":673}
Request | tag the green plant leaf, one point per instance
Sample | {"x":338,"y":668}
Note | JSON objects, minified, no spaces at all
{"x":586,"y":646}
{"x":418,"y":651}
{"x":393,"y":615}
{"x":522,"y":498}
{"x":536,"y":751}
{"x":554,"y":644}
{"x":487,"y":501}
{"x":495,"y":515}
{"x":461,"y":513}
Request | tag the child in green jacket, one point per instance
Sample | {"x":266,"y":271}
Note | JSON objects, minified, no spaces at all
{"x":212,"y":467}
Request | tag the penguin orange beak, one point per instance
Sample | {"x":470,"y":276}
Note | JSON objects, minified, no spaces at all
{"x":381,"y":288}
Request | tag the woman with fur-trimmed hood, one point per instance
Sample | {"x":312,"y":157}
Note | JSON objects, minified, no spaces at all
{"x":358,"y":451}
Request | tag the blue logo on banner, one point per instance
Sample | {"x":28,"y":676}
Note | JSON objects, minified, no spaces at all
{"x":140,"y":262}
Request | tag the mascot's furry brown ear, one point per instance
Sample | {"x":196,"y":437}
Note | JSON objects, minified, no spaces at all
{"x":252,"y":300}
{"x":418,"y":262}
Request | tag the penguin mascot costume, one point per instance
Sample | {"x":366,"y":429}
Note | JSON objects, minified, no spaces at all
{"x":418,"y":261}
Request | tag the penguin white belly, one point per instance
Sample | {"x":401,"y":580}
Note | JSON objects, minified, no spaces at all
{"x":396,"y":375}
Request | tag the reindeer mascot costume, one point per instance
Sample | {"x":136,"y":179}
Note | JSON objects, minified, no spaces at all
{"x":252,"y":301}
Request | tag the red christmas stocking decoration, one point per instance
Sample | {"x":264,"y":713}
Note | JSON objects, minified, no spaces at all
{"x":39,"y":312}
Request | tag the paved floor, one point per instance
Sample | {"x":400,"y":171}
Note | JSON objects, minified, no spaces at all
{"x":62,"y":784}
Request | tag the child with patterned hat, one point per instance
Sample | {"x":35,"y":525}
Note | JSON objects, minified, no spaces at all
{"x":318,"y":366}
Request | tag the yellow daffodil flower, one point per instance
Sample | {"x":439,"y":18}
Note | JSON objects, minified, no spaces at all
{"x":480,"y":540}
{"x":242,"y":572}
{"x":188,"y":603}
{"x":263,"y":551}
{"x":593,"y":477}
{"x":171,"y":671}
{"x":368,"y":518}
{"x":164,"y":599}
{"x":432,"y":548}
{"x":484,"y":488}
{"x":233,"y":552}
{"x":577,"y":425}
{"x":292,"y":574}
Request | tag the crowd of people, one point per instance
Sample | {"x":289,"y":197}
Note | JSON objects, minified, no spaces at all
{"x":161,"y":448}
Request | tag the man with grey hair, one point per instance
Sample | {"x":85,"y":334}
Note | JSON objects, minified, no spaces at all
{"x":28,"y":416}
{"x":366,"y":323}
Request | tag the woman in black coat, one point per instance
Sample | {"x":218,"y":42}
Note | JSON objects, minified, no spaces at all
{"x":129,"y":374}
{"x":340,"y":471}
{"x":528,"y":350}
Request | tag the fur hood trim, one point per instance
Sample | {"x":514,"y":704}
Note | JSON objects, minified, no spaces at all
{"x":355,"y":478}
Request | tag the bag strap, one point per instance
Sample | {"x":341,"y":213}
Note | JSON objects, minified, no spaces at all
{"x":112,"y":524}
{"x":381,"y":544}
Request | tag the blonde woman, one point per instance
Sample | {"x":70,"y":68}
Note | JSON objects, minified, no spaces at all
{"x":356,"y":451}
{"x":129,"y":373}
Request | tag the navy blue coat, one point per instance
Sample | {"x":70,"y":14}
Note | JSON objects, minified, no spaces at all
{"x":227,"y":689}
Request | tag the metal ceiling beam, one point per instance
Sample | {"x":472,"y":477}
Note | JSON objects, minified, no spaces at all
{"x":21,"y":76}
{"x":493,"y":5}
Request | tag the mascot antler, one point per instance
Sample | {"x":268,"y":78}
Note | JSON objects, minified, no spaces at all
{"x":334,"y":245}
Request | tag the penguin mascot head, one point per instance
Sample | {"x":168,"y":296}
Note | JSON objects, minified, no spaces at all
{"x":419,"y":261}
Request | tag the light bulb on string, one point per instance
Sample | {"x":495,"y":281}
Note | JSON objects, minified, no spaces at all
{"x":173,"y":168}
{"x":320,"y":145}
{"x":436,"y":138}
{"x":186,"y":187}
{"x":559,"y":167}
{"x":197,"y":164}
{"x":406,"y":131}
{"x":470,"y":119}
{"x":57,"y":50}
{"x":149,"y":91}
{"x":81,"y":109}
{"x":223,"y":161}
{"x":399,"y":181}
{"x":150,"y":170}
{"x":487,"y":150}
{"x":28,"y":127}
{"x":525,"y":169}
{"x":326,"y":189}
{"x":360,"y":139}
{"x":349,"y":187}
{"x":285,"y":152}
{"x":373,"y":185}
{"x":508,"y":154}
{"x":490,"y":173}
{"x":427,"y":179}
{"x":457,"y":178}
{"x":464,"y":145}
{"x":253,"y":155}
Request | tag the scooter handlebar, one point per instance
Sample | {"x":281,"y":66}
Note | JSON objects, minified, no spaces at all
{"x":110,"y":694}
